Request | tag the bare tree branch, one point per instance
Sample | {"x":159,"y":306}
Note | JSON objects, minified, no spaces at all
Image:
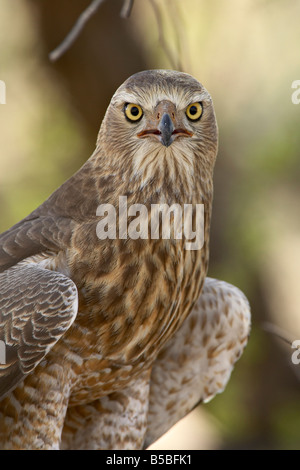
{"x":76,"y":30}
{"x":80,"y":23}
{"x":284,"y":336}
{"x":126,"y":8}
{"x":125,"y":13}
{"x":161,"y":37}
{"x":278,"y":332}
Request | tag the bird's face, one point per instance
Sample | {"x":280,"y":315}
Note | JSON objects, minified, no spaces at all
{"x":161,"y":118}
{"x":163,"y":122}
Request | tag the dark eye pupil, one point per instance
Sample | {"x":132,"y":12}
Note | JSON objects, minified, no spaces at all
{"x":193,"y":110}
{"x":134,"y":111}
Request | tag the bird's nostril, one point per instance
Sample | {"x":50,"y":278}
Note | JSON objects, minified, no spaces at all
{"x":166,"y":122}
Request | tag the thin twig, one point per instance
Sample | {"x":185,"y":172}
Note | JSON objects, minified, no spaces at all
{"x":161,"y":36}
{"x":76,"y":30}
{"x":277,"y":331}
{"x":284,"y":336}
{"x":126,"y":8}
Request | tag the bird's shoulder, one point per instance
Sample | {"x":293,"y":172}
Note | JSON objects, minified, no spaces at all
{"x":34,"y":235}
{"x":49,"y":228}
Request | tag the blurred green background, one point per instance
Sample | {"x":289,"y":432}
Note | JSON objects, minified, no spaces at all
{"x":247,"y":54}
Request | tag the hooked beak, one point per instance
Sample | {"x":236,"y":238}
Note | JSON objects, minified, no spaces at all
{"x":164,"y":126}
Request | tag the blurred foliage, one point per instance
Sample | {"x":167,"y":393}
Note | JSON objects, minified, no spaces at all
{"x":246,"y":54}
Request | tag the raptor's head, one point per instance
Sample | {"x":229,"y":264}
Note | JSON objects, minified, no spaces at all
{"x":161,"y":121}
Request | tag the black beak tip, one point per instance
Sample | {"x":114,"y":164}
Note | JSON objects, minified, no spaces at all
{"x":166,"y":142}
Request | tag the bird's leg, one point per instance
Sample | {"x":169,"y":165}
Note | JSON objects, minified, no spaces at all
{"x":116,"y":421}
{"x":197,"y":361}
{"x":32,"y":415}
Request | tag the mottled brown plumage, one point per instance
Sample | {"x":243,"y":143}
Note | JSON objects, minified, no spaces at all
{"x":84,"y":319}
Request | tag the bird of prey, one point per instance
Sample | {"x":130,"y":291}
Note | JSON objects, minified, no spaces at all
{"x":111,"y":340}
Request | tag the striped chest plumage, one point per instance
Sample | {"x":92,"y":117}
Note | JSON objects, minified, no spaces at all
{"x":133,"y":295}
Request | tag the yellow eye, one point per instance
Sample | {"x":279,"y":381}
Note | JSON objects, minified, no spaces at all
{"x":133,"y":112}
{"x":194,"y":111}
